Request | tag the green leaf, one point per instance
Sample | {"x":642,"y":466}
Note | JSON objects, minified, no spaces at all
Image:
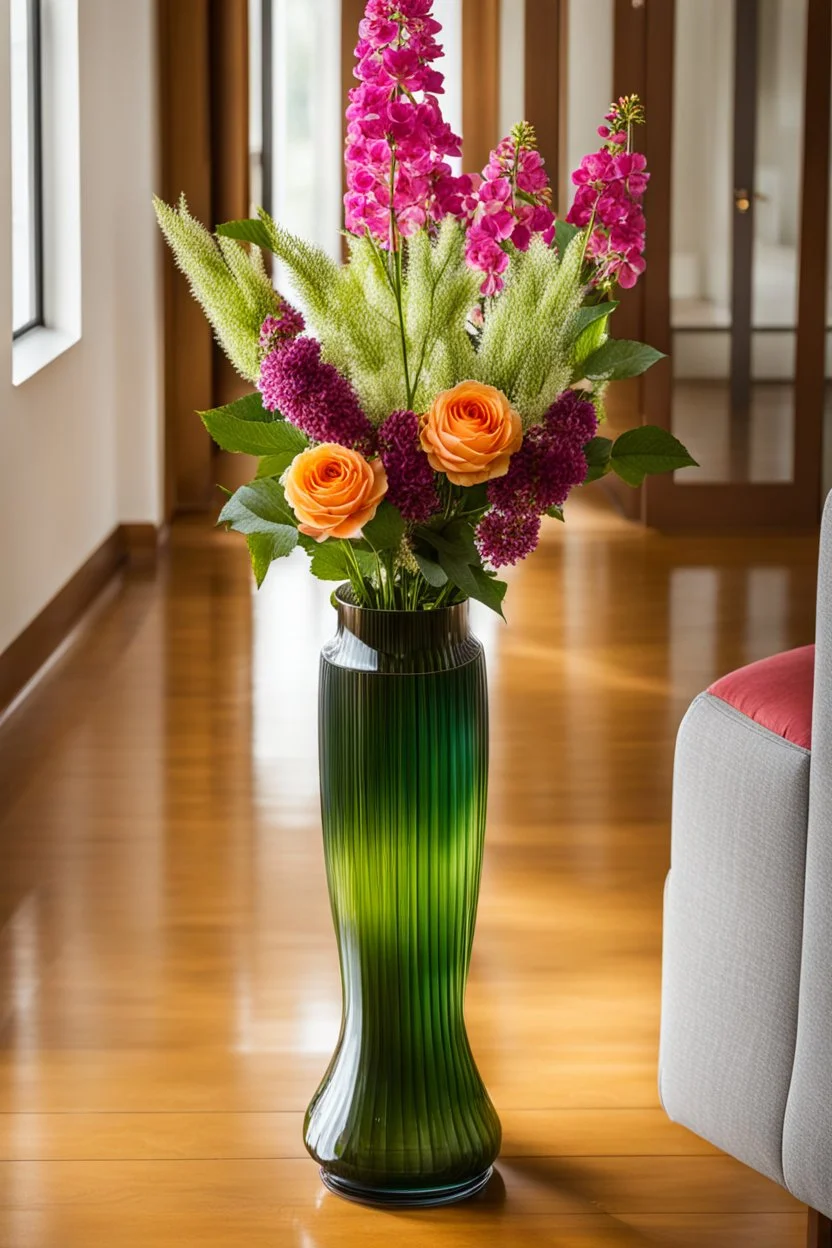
{"x":245,"y":426}
{"x":473,"y":497}
{"x":275,"y":465}
{"x":491,"y":590}
{"x":330,"y":561}
{"x":474,"y":582}
{"x":555,"y":513}
{"x":589,"y":331}
{"x":594,"y":312}
{"x":646,"y":451}
{"x":455,"y":539}
{"x":460,"y":561}
{"x":618,"y":359}
{"x":386,"y":529}
{"x":259,"y":507}
{"x":433,"y":572}
{"x":460,"y":534}
{"x":564,"y":233}
{"x":264,"y":548}
{"x":248,"y":231}
{"x":597,"y":454}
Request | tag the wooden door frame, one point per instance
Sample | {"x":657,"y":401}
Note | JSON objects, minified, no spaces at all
{"x":746,"y":36}
{"x":203,"y":120}
{"x":545,"y":88}
{"x":648,"y":34}
{"x":480,"y":81}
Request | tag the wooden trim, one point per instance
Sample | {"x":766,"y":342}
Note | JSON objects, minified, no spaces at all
{"x":819,"y":1231}
{"x":546,"y":49}
{"x":352,"y":12}
{"x":185,"y":127}
{"x":230,"y":190}
{"x":715,"y":507}
{"x":267,"y":105}
{"x":746,"y":40}
{"x":142,"y":543}
{"x":136,"y":544}
{"x":39,"y":640}
{"x":480,"y":81}
{"x":229,"y":82}
{"x":810,"y":361}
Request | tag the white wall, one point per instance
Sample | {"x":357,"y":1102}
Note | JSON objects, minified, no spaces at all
{"x":81,"y":441}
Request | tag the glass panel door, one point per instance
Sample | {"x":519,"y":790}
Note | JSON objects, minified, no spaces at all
{"x":737,"y":152}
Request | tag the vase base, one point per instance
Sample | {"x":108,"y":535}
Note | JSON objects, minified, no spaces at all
{"x":406,"y":1198}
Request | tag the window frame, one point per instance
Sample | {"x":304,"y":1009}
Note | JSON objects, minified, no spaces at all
{"x":35,"y":166}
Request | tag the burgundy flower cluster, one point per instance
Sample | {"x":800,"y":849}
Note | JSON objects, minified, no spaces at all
{"x":512,"y":203}
{"x":281,"y":328}
{"x":314,"y":396}
{"x":611,"y":185}
{"x":397,"y":177}
{"x":411,"y":485}
{"x":541,"y":474}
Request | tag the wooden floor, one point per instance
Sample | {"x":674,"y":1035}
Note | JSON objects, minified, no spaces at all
{"x":169,"y":991}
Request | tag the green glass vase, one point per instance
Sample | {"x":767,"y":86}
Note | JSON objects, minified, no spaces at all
{"x":402,"y":1116}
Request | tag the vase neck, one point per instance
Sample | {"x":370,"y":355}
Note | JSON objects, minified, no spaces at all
{"x":400,"y":641}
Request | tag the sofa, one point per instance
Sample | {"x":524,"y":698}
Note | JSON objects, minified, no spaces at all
{"x":746,"y":1032}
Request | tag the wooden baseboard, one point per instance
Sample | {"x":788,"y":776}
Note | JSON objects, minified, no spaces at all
{"x":819,"y":1234}
{"x":137,"y":544}
{"x":142,"y":542}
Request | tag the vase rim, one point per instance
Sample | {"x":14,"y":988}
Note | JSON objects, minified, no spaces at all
{"x":343,"y":597}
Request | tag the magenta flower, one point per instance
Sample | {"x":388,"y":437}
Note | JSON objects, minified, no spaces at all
{"x":314,"y":396}
{"x":392,"y":135}
{"x":484,"y":253}
{"x":610,"y":186}
{"x":411,"y":484}
{"x":510,"y":206}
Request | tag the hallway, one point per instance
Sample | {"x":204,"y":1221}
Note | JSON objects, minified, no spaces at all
{"x":169,"y":991}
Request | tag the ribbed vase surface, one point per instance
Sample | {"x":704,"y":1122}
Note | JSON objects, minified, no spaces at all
{"x":402,"y":1116}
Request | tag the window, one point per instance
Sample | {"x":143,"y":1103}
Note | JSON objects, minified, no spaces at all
{"x":27,"y":215}
{"x":259,"y":114}
{"x":46,"y":183}
{"x":307,"y":119}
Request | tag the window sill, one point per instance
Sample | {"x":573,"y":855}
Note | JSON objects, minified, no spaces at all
{"x":37,"y":348}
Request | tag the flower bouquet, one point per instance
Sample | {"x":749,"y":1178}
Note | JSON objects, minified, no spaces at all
{"x":416,"y":416}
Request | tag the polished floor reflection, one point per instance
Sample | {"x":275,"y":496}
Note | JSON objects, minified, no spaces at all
{"x":168,"y":978}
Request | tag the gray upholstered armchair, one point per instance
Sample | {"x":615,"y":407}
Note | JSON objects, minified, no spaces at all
{"x":746,"y":1042}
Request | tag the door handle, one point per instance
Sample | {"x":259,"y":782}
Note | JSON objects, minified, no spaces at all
{"x":743,"y":198}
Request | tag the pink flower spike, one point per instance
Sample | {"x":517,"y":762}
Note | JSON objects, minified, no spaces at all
{"x":395,"y":124}
{"x":610,"y":185}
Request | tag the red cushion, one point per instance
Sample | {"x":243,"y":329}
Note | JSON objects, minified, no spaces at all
{"x":775,"y":692}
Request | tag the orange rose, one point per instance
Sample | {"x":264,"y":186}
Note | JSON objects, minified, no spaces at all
{"x":334,"y":491}
{"x":470,"y":433}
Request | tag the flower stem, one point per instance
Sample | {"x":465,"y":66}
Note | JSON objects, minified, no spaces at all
{"x":398,"y":270}
{"x":395,"y":247}
{"x":356,"y":577}
{"x":589,"y":228}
